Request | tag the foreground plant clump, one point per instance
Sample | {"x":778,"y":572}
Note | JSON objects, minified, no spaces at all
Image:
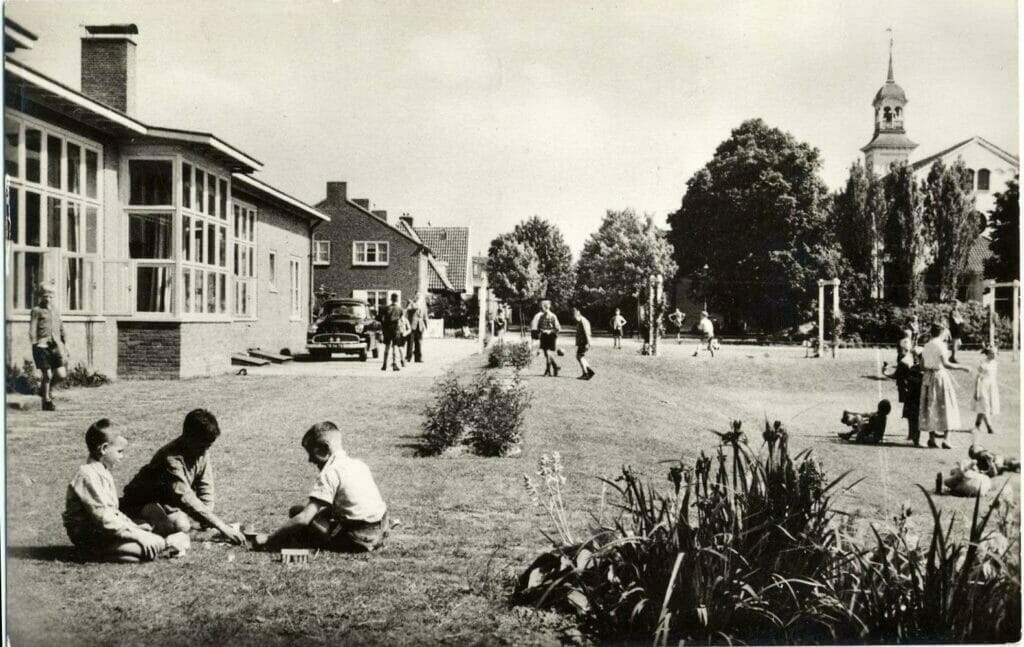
{"x":485,"y":415}
{"x":25,"y":380}
{"x":515,"y":354}
{"x":749,"y":548}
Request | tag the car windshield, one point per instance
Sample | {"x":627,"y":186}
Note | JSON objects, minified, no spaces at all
{"x":350,"y":310}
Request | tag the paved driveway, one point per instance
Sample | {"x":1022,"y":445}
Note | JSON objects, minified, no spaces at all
{"x":438,"y":355}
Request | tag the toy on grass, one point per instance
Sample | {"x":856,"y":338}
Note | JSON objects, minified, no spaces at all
{"x":866,"y":427}
{"x":295,"y":555}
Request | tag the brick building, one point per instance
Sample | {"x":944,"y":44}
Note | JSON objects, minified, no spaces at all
{"x":165,"y":254}
{"x":361,"y":254}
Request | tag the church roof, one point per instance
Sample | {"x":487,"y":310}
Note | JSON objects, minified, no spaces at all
{"x":891,"y":90}
{"x":890,"y":140}
{"x":1010,"y":158}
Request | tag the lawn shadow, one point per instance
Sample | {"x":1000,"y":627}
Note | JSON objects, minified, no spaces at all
{"x":836,"y":440}
{"x":876,"y":378}
{"x":65,"y":553}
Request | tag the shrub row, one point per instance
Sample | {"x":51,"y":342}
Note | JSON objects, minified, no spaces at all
{"x":26,"y":380}
{"x":484,"y":415}
{"x":751,"y":549}
{"x":514,"y":354}
{"x":882,"y":323}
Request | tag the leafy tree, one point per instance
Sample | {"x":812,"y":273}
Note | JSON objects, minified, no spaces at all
{"x":554,"y":259}
{"x":620,"y":256}
{"x":513,"y":271}
{"x":1004,"y":265}
{"x":953,"y":223}
{"x":755,"y":214}
{"x":858,"y":220}
{"x":908,"y":237}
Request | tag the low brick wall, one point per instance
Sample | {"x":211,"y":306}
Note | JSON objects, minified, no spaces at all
{"x":148,"y":350}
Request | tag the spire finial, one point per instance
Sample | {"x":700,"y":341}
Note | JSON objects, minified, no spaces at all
{"x":890,"y":79}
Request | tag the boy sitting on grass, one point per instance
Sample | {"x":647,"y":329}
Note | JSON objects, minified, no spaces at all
{"x":174,"y":492}
{"x":345,"y":511}
{"x":92,"y":519}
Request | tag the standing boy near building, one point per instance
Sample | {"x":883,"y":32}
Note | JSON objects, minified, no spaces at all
{"x":547,"y":331}
{"x":617,"y":324}
{"x":345,"y":511}
{"x":92,"y":519}
{"x":48,"y":353}
{"x":389,"y":320}
{"x":175,"y":489}
{"x":418,"y":325}
{"x":583,"y":338}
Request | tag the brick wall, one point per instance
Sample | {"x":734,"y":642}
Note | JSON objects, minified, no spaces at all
{"x":148,"y":350}
{"x":406,"y":270}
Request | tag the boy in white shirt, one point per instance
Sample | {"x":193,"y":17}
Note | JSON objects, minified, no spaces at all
{"x":707,"y":334}
{"x":92,"y":519}
{"x":345,"y":511}
{"x":617,"y":323}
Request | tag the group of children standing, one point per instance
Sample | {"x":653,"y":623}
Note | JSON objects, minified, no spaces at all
{"x":173,"y":495}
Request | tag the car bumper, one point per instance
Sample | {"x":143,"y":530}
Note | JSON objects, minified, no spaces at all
{"x":338,"y":347}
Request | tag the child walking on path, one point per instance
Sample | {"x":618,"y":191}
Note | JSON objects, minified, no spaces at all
{"x":939,"y":411}
{"x":617,"y":324}
{"x":548,"y":329}
{"x":92,"y":519}
{"x":345,"y":511}
{"x":583,"y":339}
{"x":986,"y":391}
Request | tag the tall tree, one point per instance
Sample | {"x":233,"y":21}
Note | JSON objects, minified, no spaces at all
{"x":953,"y":223}
{"x":755,"y":216}
{"x":1004,"y":265}
{"x":908,"y":237}
{"x":858,"y":220}
{"x":553,"y":256}
{"x":513,"y":271}
{"x":618,"y":259}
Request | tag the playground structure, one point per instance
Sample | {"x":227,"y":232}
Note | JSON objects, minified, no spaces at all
{"x":992,"y":287}
{"x":822,"y":284}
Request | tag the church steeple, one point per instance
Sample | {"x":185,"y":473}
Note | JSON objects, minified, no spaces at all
{"x":890,"y":143}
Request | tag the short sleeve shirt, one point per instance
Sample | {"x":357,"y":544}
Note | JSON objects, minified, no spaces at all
{"x":933,"y":354}
{"x":347,"y":485}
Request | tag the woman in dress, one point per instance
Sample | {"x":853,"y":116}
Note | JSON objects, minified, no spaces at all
{"x":939,"y":411}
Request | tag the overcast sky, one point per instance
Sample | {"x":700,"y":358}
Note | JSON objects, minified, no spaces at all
{"x":485,"y":113}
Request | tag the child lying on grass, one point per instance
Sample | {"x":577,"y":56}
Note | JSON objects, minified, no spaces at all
{"x":345,"y":511}
{"x":91,"y":516}
{"x":174,"y":492}
{"x":866,"y":427}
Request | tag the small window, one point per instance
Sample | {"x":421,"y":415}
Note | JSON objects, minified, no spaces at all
{"x":970,"y":171}
{"x":272,"y":271}
{"x":983,"y":179}
{"x":321,"y":252}
{"x":370,"y":253}
{"x":74,"y":168}
{"x":186,"y":186}
{"x":151,"y":182}
{"x":295,"y":276}
{"x":54,"y":148}
{"x":11,"y":134}
{"x":33,"y":154}
{"x":92,"y":162}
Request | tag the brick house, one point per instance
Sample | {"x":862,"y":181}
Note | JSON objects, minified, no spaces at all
{"x":165,"y":254}
{"x":361,"y":254}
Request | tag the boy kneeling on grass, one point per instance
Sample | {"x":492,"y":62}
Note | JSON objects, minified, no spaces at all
{"x":174,"y":492}
{"x":345,"y":511}
{"x":92,"y":519}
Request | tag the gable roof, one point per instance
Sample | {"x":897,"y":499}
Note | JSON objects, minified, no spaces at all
{"x":450,"y":245}
{"x":1010,"y":158}
{"x":980,"y":252}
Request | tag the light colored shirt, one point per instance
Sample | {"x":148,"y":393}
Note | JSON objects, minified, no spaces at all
{"x":547,"y":322}
{"x":172,"y":479}
{"x":535,"y":321}
{"x":706,"y":327}
{"x":617,"y":322}
{"x":90,"y":506}
{"x":346,"y":484}
{"x":45,"y":325}
{"x":933,"y":353}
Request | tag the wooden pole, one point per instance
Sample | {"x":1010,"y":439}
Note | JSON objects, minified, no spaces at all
{"x":1016,"y":320}
{"x":991,"y":285}
{"x":482,"y":307}
{"x":821,"y":317}
{"x":835,"y":316}
{"x":650,"y":315}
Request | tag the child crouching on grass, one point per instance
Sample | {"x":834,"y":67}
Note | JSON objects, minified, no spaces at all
{"x":92,"y":519}
{"x":345,"y":511}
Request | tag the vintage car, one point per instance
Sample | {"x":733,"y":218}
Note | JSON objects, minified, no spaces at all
{"x":343,"y":326}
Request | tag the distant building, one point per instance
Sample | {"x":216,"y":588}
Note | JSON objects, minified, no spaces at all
{"x":361,"y":254}
{"x":165,"y":254}
{"x":450,"y":246}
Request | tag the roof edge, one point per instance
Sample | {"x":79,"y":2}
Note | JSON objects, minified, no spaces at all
{"x":258,"y":185}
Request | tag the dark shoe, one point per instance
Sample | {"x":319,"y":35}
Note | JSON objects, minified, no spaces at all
{"x":932,"y":445}
{"x":394,"y":367}
{"x":583,"y":377}
{"x":590,"y":373}
{"x":946,"y":445}
{"x":48,"y":405}
{"x":384,"y":368}
{"x":556,"y":369}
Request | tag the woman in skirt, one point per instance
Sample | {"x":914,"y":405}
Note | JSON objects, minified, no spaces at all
{"x":939,"y":411}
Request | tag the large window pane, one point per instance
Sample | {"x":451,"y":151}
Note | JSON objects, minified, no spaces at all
{"x":222,"y":246}
{"x":73,"y":218}
{"x":211,"y":194}
{"x":186,"y":238}
{"x":73,"y":281}
{"x":223,"y":194}
{"x":92,"y":162}
{"x":151,"y":182}
{"x":211,"y":244}
{"x":33,"y":219}
{"x":53,"y":222}
{"x":11,"y":134}
{"x":211,"y":292}
{"x":28,"y":275}
{"x":186,"y":290}
{"x":197,"y":235}
{"x":200,"y":191}
{"x":186,"y":185}
{"x":91,"y":230}
{"x":53,"y":159}
{"x":149,"y":235}
{"x":222,"y":292}
{"x":74,"y":168}
{"x":33,"y":154}
{"x":12,"y":215}
{"x":154,"y":289}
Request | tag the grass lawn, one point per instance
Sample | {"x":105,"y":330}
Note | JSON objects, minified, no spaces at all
{"x":466,"y":520}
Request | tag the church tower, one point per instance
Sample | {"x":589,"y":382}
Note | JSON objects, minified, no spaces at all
{"x":890,"y":142}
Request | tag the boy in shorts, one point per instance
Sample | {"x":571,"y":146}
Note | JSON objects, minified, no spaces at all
{"x":345,"y":511}
{"x":583,"y":338}
{"x":92,"y":519}
{"x":617,"y":324}
{"x":49,"y":354}
{"x":547,"y":331}
{"x":174,"y":492}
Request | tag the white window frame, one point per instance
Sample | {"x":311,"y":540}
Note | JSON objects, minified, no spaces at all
{"x":57,"y":258}
{"x":272,"y":270}
{"x":295,"y":287}
{"x":361,"y":247}
{"x":243,"y":226}
{"x":222,"y":265}
{"x":321,"y":252}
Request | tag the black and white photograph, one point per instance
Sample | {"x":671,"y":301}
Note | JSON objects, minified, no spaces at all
{"x":390,"y":322}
